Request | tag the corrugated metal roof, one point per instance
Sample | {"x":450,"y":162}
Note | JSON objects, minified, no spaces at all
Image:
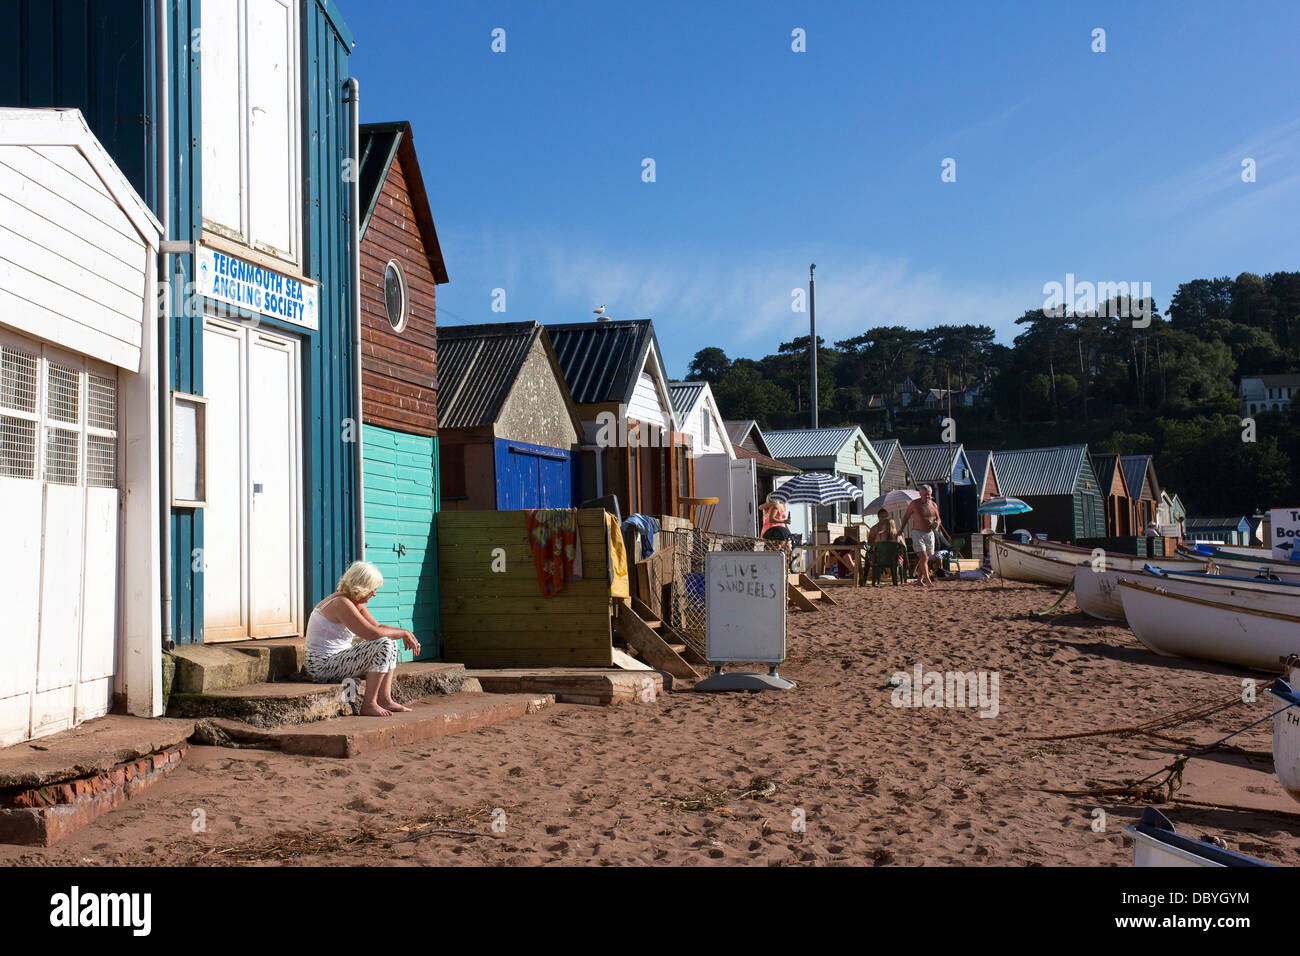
{"x":885,"y":447}
{"x":1028,"y":472}
{"x":477,"y":366}
{"x":1104,"y":466}
{"x":1135,"y":474}
{"x":737,"y":431}
{"x":684,"y":395}
{"x":1217,"y":524}
{"x":931,"y":463}
{"x":601,"y":360}
{"x":808,"y":442}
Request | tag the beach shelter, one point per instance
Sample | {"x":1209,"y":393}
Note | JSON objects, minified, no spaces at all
{"x":719,"y":472}
{"x":1140,"y":475}
{"x":1113,"y":483}
{"x":893,"y":464}
{"x":985,"y":476}
{"x":1231,"y":530}
{"x":948,"y":472}
{"x":1061,"y":487}
{"x":508,"y":429}
{"x":844,"y":451}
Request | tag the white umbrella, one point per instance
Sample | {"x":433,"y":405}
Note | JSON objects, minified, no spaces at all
{"x":892,"y":500}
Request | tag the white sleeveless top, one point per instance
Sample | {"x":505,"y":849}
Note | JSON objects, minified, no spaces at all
{"x":323,"y":635}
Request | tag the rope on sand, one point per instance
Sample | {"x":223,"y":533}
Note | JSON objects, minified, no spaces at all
{"x":1158,"y":723}
{"x":1064,"y":594}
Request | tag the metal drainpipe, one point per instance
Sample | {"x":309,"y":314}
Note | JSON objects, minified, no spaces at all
{"x":162,"y":127}
{"x":354,"y":100}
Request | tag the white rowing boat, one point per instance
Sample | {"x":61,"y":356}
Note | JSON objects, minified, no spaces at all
{"x":1286,"y":735}
{"x":1020,"y":562}
{"x":1157,"y":843}
{"x":1263,"y":568}
{"x":1177,"y":625}
{"x":1098,"y":594}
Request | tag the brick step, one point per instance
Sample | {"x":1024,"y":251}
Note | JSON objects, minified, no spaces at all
{"x":269,"y":704}
{"x":351,"y":736}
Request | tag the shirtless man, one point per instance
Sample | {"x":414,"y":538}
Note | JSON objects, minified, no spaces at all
{"x":923,"y":514}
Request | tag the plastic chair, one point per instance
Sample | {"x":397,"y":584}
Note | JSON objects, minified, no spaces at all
{"x":885,"y":554}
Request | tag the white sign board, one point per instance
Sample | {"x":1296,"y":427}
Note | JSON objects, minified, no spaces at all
{"x":745,"y":606}
{"x":1284,"y":533}
{"x":255,"y":288}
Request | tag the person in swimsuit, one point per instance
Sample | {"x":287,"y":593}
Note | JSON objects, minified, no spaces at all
{"x":923,"y":514}
{"x":333,"y":652}
{"x":776,"y":523}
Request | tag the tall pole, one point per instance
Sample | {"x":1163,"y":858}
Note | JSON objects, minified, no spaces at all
{"x":812,"y":340}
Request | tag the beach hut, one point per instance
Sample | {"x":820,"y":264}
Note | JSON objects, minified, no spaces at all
{"x":985,"y":475}
{"x":946,"y":469}
{"x":747,"y":442}
{"x":1140,"y":476}
{"x":893,"y":464}
{"x":1059,"y":484}
{"x":1119,"y":500}
{"x":1232,"y":530}
{"x":632,"y":445}
{"x":719,"y":473}
{"x":1171,"y":515}
{"x":844,"y":451}
{"x":508,"y":429}
{"x":79,"y":451}
{"x":401,"y":267}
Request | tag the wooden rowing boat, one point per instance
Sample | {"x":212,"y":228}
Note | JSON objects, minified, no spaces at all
{"x":1020,"y":562}
{"x":1097,"y":592}
{"x":1157,"y":843}
{"x":1286,"y":735}
{"x":1248,"y":567}
{"x":1178,"y":625}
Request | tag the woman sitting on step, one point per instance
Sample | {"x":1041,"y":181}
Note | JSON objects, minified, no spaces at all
{"x":345,"y":641}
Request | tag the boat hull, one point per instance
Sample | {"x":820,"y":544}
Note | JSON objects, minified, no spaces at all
{"x":1175,"y":625}
{"x":1157,"y":843}
{"x":1096,"y":593}
{"x":1015,"y":562}
{"x":1286,"y":735}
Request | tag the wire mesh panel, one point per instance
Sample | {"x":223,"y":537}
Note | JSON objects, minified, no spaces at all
{"x":17,"y":447}
{"x":18,"y":380}
{"x":101,"y":431}
{"x":679,"y":579}
{"x":102,"y":406}
{"x":63,"y":393}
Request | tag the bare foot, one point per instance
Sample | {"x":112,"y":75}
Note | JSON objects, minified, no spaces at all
{"x":395,"y":707}
{"x":374,"y":710}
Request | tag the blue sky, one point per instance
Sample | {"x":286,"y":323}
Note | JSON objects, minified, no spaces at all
{"x":1115,"y":166}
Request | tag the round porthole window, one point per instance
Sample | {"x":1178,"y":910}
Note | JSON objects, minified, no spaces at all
{"x":395,"y":296}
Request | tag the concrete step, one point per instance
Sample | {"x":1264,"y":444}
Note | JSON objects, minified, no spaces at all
{"x":204,"y":668}
{"x":598,"y":686}
{"x":269,"y":704}
{"x":352,"y":736}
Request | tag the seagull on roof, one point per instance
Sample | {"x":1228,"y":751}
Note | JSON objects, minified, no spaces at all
{"x":600,"y":311}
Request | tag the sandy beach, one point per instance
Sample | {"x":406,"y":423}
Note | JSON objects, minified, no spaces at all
{"x":704,"y":779}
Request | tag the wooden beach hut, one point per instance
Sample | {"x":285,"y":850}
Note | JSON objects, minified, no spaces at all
{"x":844,"y":451}
{"x":1144,"y":489}
{"x":1232,"y":530}
{"x":1059,"y":484}
{"x":632,"y":445}
{"x":985,"y":475}
{"x":893,"y":464}
{"x":719,"y":473}
{"x":1119,"y":501}
{"x":508,"y":429}
{"x":401,"y":267}
{"x":946,"y":469}
{"x":748,"y":443}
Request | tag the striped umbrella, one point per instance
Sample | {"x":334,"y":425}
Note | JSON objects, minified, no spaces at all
{"x":816,"y":488}
{"x":1003,"y":506}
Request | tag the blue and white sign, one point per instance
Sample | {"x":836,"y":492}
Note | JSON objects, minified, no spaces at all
{"x":1284,"y":524}
{"x":255,"y":288}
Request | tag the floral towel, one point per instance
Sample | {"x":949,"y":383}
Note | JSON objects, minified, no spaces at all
{"x":556,"y":546}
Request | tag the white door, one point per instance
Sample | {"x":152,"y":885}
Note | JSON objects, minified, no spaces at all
{"x":252,"y":550}
{"x":744,"y":495}
{"x":59,"y":508}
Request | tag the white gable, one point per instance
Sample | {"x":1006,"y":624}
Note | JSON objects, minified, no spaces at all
{"x":78,"y":247}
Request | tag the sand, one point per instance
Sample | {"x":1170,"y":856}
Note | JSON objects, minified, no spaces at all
{"x":725,"y":779}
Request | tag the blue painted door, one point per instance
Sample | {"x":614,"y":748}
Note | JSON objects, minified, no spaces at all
{"x":533,"y":476}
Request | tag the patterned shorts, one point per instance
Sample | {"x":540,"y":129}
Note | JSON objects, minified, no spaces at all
{"x":356,"y":662}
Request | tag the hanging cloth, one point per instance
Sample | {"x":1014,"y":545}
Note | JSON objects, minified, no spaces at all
{"x":556,"y":546}
{"x":618,"y":580}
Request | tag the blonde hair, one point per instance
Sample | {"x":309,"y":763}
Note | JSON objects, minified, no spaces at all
{"x":359,"y":580}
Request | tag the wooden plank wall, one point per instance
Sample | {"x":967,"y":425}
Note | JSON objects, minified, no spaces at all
{"x":399,"y":371}
{"x":501,"y":619}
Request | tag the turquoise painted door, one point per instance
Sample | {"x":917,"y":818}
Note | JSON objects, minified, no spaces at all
{"x":401,"y":490}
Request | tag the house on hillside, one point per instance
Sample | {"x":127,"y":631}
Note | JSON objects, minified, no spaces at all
{"x":509,"y":432}
{"x":1268,"y":393}
{"x":632,"y":445}
{"x":985,"y":475}
{"x":845,"y":452}
{"x":1061,"y":487}
{"x":946,"y":469}
{"x":1118,"y":498}
{"x":1140,"y":476}
{"x":893,"y":465}
{"x":401,"y":267}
